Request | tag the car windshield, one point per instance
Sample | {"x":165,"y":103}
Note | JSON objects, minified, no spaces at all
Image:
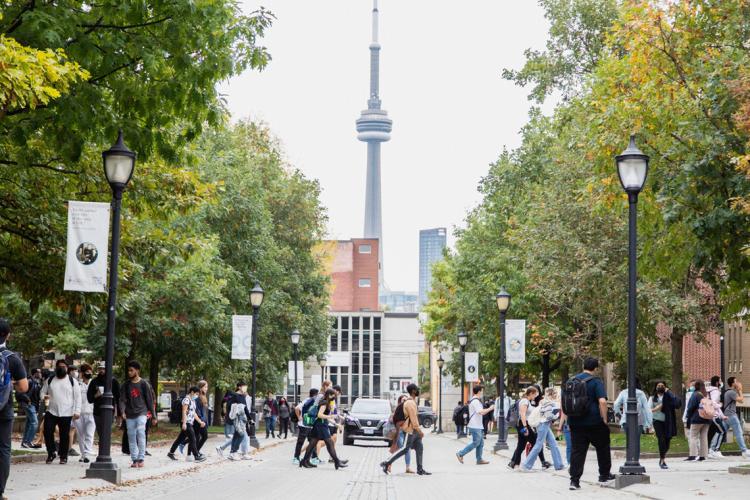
{"x":371,"y":407}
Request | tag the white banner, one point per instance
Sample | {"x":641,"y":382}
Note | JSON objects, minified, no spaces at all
{"x":300,"y":372}
{"x":338,"y":358}
{"x":242,"y":337}
{"x":88,"y":234}
{"x":472,"y":366}
{"x":515,"y":341}
{"x":315,"y":381}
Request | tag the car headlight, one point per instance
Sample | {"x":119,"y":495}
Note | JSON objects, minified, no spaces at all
{"x":352,"y":420}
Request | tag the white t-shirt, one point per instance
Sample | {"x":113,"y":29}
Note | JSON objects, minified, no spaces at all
{"x":475,"y":418}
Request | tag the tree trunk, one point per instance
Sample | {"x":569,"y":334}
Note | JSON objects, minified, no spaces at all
{"x":153,"y":372}
{"x":565,"y":372}
{"x":676,"y":342}
{"x":218,"y":399}
{"x":545,"y":370}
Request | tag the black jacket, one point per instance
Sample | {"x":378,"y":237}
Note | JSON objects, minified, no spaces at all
{"x":98,"y":381}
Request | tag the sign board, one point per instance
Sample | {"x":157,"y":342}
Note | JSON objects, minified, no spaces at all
{"x":338,"y":358}
{"x":88,"y":234}
{"x":472,"y":366}
{"x":300,"y":372}
{"x":315,"y":381}
{"x":515,"y":341}
{"x":242,"y":337}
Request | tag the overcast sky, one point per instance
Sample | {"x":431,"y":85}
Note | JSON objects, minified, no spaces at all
{"x":452,"y":112}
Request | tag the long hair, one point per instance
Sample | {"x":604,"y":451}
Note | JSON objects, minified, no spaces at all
{"x":202,"y":384}
{"x":700,"y":386}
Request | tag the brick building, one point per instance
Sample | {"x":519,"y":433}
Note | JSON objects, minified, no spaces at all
{"x":701,"y":360}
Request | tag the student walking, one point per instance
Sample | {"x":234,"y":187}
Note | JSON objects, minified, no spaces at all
{"x":29,"y":406}
{"x":564,"y":429}
{"x":285,"y":414}
{"x":189,"y":417}
{"x":407,"y":420}
{"x":716,"y":430}
{"x":85,"y":425}
{"x":699,"y":413}
{"x":270,"y":412}
{"x":14,"y":378}
{"x":584,"y":401}
{"x":94,"y":395}
{"x":532,"y":430}
{"x":136,"y":403}
{"x":240,"y":415}
{"x":63,"y":406}
{"x":731,"y":398}
{"x":201,"y":409}
{"x":522,"y":426}
{"x":322,"y":431}
{"x":663,"y":406}
{"x":549,"y":412}
{"x":401,"y":439}
{"x":303,"y":424}
{"x":477,"y":411}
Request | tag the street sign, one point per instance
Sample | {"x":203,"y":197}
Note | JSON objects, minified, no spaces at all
{"x":515,"y":341}
{"x":300,"y":372}
{"x":472,"y":366}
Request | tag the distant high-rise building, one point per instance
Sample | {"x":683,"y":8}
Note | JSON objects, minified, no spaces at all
{"x":399,"y":302}
{"x":432,"y":242}
{"x":374,"y":127}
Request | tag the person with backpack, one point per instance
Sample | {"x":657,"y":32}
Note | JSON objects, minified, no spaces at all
{"x":731,"y":398}
{"x":458,"y":418}
{"x":547,"y":413}
{"x":477,"y":411}
{"x":645,"y":417}
{"x":523,"y":407}
{"x":323,"y":413}
{"x":238,"y":413}
{"x":63,"y":406}
{"x":94,"y":396}
{"x":700,"y":414}
{"x":29,"y":406}
{"x":717,"y":429}
{"x":189,"y":418}
{"x":12,"y":376}
{"x":532,"y":428}
{"x":400,"y":439}
{"x":663,"y":405}
{"x":405,"y":418}
{"x":303,"y":424}
{"x":584,"y":401}
{"x":136,"y":403}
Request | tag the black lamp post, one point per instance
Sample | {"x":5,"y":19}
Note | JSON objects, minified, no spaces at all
{"x":322,"y":362}
{"x":256,"y":299}
{"x":503,"y":304}
{"x":463,"y":337}
{"x":440,"y":363}
{"x":295,"y":342}
{"x":632,"y":168}
{"x":119,"y":163}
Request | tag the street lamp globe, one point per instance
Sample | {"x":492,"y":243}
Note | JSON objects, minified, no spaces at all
{"x":632,"y":167}
{"x":440,"y":362}
{"x":119,"y":163}
{"x":463,"y":337}
{"x":256,"y":295}
{"x":503,"y":300}
{"x":295,"y":337}
{"x":322,"y":361}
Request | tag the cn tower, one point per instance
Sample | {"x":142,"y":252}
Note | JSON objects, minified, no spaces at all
{"x":374,"y":127}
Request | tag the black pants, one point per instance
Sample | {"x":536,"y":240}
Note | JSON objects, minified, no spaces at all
{"x":660,"y":428}
{"x":6,"y":427}
{"x":284,"y":426}
{"x":63,"y":426}
{"x":201,"y":436}
{"x":330,"y":446}
{"x":520,"y":446}
{"x":189,"y":435}
{"x":413,"y":442}
{"x":581,"y":438}
{"x":304,"y":434}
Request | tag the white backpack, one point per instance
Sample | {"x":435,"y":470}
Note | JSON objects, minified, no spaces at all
{"x":535,"y":417}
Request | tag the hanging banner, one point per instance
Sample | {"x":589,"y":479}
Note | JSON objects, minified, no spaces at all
{"x":472,"y":366}
{"x":300,"y":372}
{"x":338,"y":358}
{"x":515,"y":341}
{"x":315,"y":381}
{"x":242,"y":337}
{"x":88,"y":234}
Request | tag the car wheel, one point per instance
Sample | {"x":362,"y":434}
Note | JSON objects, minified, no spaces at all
{"x":427,"y":422}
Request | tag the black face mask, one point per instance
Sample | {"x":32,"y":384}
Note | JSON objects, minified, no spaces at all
{"x":87,"y":375}
{"x":661,"y":390}
{"x":61,"y":371}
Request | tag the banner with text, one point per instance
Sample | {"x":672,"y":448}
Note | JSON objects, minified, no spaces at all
{"x":338,"y":358}
{"x":515,"y":341}
{"x":88,"y":234}
{"x":300,"y":372}
{"x":472,"y":366}
{"x":242,"y":336}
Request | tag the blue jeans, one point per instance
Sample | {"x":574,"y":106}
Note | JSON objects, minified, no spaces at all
{"x":477,"y":443}
{"x":736,"y":425}
{"x":544,"y":434}
{"x":32,"y":422}
{"x":401,"y":439}
{"x":459,"y":430}
{"x":228,"y":430}
{"x":137,"y":437}
{"x":568,"y":443}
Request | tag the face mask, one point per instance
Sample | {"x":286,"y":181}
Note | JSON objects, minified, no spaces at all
{"x":194,"y":398}
{"x":661,"y":390}
{"x":61,"y":371}
{"x":87,"y":375}
{"x":692,"y":389}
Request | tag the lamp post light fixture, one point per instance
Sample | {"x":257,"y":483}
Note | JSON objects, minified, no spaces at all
{"x":322,"y":361}
{"x":119,"y":164}
{"x":440,"y":363}
{"x":632,"y":168}
{"x":294,"y":336}
{"x":256,"y":300}
{"x":463,"y":338}
{"x":503,"y":304}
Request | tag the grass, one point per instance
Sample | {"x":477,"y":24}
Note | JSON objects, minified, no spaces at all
{"x":649,"y":444}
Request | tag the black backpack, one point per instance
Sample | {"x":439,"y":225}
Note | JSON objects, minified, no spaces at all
{"x":6,"y":383}
{"x":461,"y":415}
{"x":575,"y":396}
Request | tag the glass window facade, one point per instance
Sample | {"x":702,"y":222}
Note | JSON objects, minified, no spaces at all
{"x":360,"y":335}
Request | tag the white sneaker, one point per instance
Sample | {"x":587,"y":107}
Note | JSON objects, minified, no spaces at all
{"x":746,"y":453}
{"x":220,"y":451}
{"x":233,"y":456}
{"x":712,"y":455}
{"x":246,"y":456}
{"x":718,"y":454}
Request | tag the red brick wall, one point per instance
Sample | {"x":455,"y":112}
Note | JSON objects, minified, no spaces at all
{"x":346,"y":267}
{"x":365,"y":267}
{"x":701,"y":360}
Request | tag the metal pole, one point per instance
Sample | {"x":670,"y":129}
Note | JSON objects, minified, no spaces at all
{"x":104,"y":467}
{"x":295,"y":375}
{"x":722,"y":369}
{"x":632,"y":465}
{"x":440,"y":401}
{"x":502,"y":442}
{"x":463,"y":381}
{"x":251,"y":436}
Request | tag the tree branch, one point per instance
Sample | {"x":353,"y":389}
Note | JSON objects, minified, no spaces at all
{"x":98,"y":25}
{"x":114,"y":70}
{"x":16,"y":22}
